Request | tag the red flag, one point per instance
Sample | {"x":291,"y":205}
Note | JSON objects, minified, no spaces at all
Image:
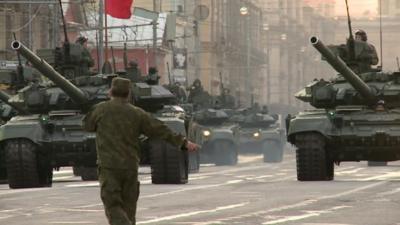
{"x":119,"y":8}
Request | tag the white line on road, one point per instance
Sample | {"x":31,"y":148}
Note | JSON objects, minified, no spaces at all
{"x":62,"y":178}
{"x":304,"y":203}
{"x":13,"y":191}
{"x":182,"y":215}
{"x":72,"y":222}
{"x":304,"y":216}
{"x":389,"y":192}
{"x":192,"y":188}
{"x":349,"y":171}
{"x":87,"y":184}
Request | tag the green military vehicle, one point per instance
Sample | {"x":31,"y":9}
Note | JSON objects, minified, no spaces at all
{"x":13,"y":76}
{"x":357,"y":116}
{"x":174,"y":117}
{"x":217,"y":136}
{"x":50,"y":136}
{"x":261,"y":133}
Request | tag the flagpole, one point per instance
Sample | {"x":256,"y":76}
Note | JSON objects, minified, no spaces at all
{"x":100,"y":43}
{"x":105,"y":31}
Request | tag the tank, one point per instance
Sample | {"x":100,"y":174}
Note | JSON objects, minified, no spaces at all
{"x":261,"y":133}
{"x":356,"y":118}
{"x":50,"y":135}
{"x":13,"y":75}
{"x":216,"y":135}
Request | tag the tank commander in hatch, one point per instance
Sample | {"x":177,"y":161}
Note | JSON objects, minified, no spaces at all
{"x":365,"y":53}
{"x":86,"y":59}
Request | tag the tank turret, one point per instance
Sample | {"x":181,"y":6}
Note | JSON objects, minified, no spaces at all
{"x":344,"y":70}
{"x":77,"y":95}
{"x":4,"y":97}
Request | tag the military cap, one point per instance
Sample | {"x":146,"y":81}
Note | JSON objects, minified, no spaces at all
{"x":363,"y":35}
{"x":81,"y":39}
{"x":120,"y":85}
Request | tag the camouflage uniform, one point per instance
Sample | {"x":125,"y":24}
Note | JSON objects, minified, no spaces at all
{"x":118,"y":125}
{"x":86,"y":58}
{"x":152,"y":78}
{"x":365,"y":56}
{"x":199,"y":97}
{"x":133,"y":72}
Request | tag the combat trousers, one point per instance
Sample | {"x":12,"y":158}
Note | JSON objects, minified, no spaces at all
{"x":119,"y":191}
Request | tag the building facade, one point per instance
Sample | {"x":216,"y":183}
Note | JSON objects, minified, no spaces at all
{"x":33,"y":23}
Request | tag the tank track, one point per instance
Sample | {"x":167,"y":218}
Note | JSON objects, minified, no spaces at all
{"x":313,"y":162}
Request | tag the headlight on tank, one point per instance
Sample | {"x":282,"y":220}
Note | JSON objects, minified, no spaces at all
{"x":206,"y":133}
{"x":256,"y":134}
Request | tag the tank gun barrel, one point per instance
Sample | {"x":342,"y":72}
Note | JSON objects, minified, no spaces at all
{"x":5,"y":97}
{"x":48,"y":71}
{"x":338,"y":64}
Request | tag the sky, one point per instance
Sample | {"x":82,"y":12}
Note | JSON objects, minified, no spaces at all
{"x":357,"y":7}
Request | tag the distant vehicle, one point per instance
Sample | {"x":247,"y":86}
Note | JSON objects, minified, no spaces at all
{"x":262,"y":133}
{"x":217,"y":137}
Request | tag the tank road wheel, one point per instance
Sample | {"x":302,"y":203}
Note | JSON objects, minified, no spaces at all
{"x":313,"y":162}
{"x":3,"y":175}
{"x":169,"y":165}
{"x":88,"y":173}
{"x":225,"y":153}
{"x":273,"y":152}
{"x":194,"y":162}
{"x":77,"y":171}
{"x":377,"y":163}
{"x":22,"y":165}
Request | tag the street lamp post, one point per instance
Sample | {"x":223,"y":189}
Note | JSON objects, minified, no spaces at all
{"x":245,"y":12}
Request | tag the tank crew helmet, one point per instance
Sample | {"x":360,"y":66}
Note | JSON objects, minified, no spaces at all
{"x":120,"y":87}
{"x":362,"y":35}
{"x":81,"y":40}
{"x":153,"y":70}
{"x":197,"y":83}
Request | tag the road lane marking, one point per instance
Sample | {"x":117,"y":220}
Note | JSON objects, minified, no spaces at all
{"x":308,"y":214}
{"x":87,"y":184}
{"x":394,"y":191}
{"x":349,"y":171}
{"x":10,"y":210}
{"x":14,"y":191}
{"x":387,"y":175}
{"x":62,"y":178}
{"x":301,"y":204}
{"x":243,"y":159}
{"x":192,"y":188}
{"x":5,"y":217}
{"x":195,"y":213}
{"x":73,"y":222}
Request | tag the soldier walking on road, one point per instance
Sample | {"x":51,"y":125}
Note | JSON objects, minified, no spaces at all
{"x":118,"y":124}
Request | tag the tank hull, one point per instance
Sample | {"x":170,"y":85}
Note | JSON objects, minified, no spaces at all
{"x":353,"y":136}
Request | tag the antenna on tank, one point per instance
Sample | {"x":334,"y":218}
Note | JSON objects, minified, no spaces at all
{"x":380,"y":30}
{"x":350,"y":41}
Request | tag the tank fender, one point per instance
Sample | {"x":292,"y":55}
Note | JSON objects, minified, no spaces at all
{"x":13,"y":129}
{"x":299,"y":125}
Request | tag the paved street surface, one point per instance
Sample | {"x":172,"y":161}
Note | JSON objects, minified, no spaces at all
{"x":250,"y":193}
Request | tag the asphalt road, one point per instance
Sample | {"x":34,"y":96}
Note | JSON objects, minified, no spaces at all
{"x":250,"y":193}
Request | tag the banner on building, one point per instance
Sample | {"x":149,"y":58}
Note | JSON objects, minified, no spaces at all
{"x":180,"y":58}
